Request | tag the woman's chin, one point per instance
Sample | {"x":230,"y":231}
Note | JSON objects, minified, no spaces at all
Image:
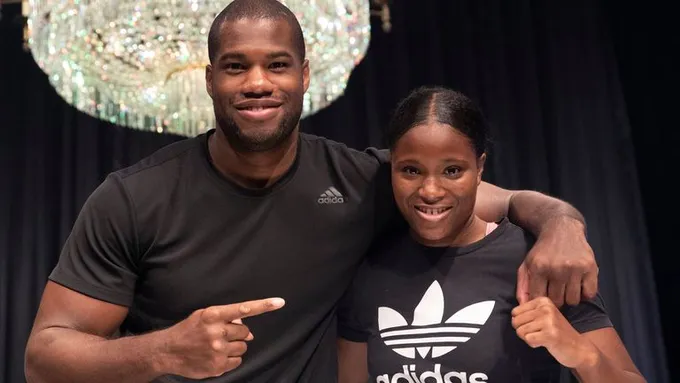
{"x":430,"y":237}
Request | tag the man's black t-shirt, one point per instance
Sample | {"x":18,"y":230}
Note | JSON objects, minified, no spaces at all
{"x":170,"y":235}
{"x":442,"y":315}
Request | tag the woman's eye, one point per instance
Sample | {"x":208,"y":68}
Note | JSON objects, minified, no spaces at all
{"x":410,"y":170}
{"x":452,"y":171}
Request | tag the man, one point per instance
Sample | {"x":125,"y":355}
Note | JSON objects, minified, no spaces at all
{"x":182,"y":251}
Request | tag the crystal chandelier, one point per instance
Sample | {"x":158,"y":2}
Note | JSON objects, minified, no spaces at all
{"x":141,"y":63}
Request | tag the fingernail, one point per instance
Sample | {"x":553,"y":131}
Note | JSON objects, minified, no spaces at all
{"x":277,"y":302}
{"x":250,"y":336}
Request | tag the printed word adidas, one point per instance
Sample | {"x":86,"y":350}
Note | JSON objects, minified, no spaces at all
{"x":429,"y":336}
{"x":411,"y":376}
{"x":331,"y":196}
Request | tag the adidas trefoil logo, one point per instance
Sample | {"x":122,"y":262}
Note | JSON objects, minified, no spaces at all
{"x":421,"y":335}
{"x":331,"y":196}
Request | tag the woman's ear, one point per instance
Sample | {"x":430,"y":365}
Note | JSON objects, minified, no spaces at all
{"x":480,"y":167}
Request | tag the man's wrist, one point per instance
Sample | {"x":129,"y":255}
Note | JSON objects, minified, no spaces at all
{"x":159,"y":352}
{"x":562,"y":223}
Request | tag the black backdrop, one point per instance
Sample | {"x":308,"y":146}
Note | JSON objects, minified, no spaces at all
{"x":562,"y":83}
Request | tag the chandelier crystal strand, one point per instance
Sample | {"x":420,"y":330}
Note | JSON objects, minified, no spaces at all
{"x":141,"y":64}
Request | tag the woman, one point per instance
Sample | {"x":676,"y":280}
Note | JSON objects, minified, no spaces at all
{"x":437,"y":304}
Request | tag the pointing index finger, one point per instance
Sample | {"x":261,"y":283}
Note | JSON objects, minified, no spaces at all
{"x":237,"y":311}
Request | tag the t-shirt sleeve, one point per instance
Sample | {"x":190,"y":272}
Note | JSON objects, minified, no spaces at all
{"x":382,"y":155}
{"x":588,"y":315}
{"x":351,"y":324}
{"x":98,"y":258}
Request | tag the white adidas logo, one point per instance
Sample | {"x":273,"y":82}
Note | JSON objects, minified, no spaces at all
{"x":430,"y":311}
{"x":331,"y":195}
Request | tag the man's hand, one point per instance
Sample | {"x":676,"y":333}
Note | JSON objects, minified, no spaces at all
{"x":540,"y":323}
{"x":561,"y":265}
{"x":211,"y":341}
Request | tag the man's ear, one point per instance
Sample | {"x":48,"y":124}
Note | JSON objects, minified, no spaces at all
{"x":305,"y":74}
{"x":480,"y":167}
{"x":208,"y":79}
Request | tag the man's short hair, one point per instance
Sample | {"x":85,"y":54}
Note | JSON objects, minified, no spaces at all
{"x":255,"y":9}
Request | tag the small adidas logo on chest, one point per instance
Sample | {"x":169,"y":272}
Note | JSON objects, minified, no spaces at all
{"x":331,"y":196}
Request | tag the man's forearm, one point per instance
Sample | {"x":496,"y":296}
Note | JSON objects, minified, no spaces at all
{"x":64,"y":355}
{"x":538,"y":212}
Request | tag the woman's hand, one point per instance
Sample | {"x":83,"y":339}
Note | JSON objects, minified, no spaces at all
{"x":540,"y":323}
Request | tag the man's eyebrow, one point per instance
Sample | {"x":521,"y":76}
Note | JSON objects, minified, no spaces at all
{"x":231,"y":55}
{"x":242,"y":57}
{"x":278,"y":54}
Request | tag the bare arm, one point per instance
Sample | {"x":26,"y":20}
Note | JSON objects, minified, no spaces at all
{"x":71,"y":336}
{"x":607,"y":361}
{"x":70,"y":342}
{"x":561,"y":264}
{"x":596,"y":356}
{"x":533,"y":211}
{"x":352,"y":362}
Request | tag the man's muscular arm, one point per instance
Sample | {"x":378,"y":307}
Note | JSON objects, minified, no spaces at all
{"x":71,"y":341}
{"x":561,"y":264}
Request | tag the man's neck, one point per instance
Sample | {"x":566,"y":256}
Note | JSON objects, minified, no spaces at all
{"x":252,"y":170}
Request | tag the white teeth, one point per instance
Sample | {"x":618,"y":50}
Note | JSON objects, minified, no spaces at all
{"x":255,"y":108}
{"x":432,"y":211}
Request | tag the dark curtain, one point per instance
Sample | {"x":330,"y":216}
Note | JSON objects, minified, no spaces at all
{"x":546,"y":74}
{"x":646,"y":42}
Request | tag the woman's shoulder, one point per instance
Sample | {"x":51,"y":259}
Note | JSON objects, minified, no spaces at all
{"x":510,"y":237}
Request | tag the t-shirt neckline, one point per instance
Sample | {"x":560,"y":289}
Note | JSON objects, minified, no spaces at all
{"x":453,"y":251}
{"x":232,"y":186}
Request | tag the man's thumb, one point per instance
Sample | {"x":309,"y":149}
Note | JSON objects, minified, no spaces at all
{"x":522,"y":291}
